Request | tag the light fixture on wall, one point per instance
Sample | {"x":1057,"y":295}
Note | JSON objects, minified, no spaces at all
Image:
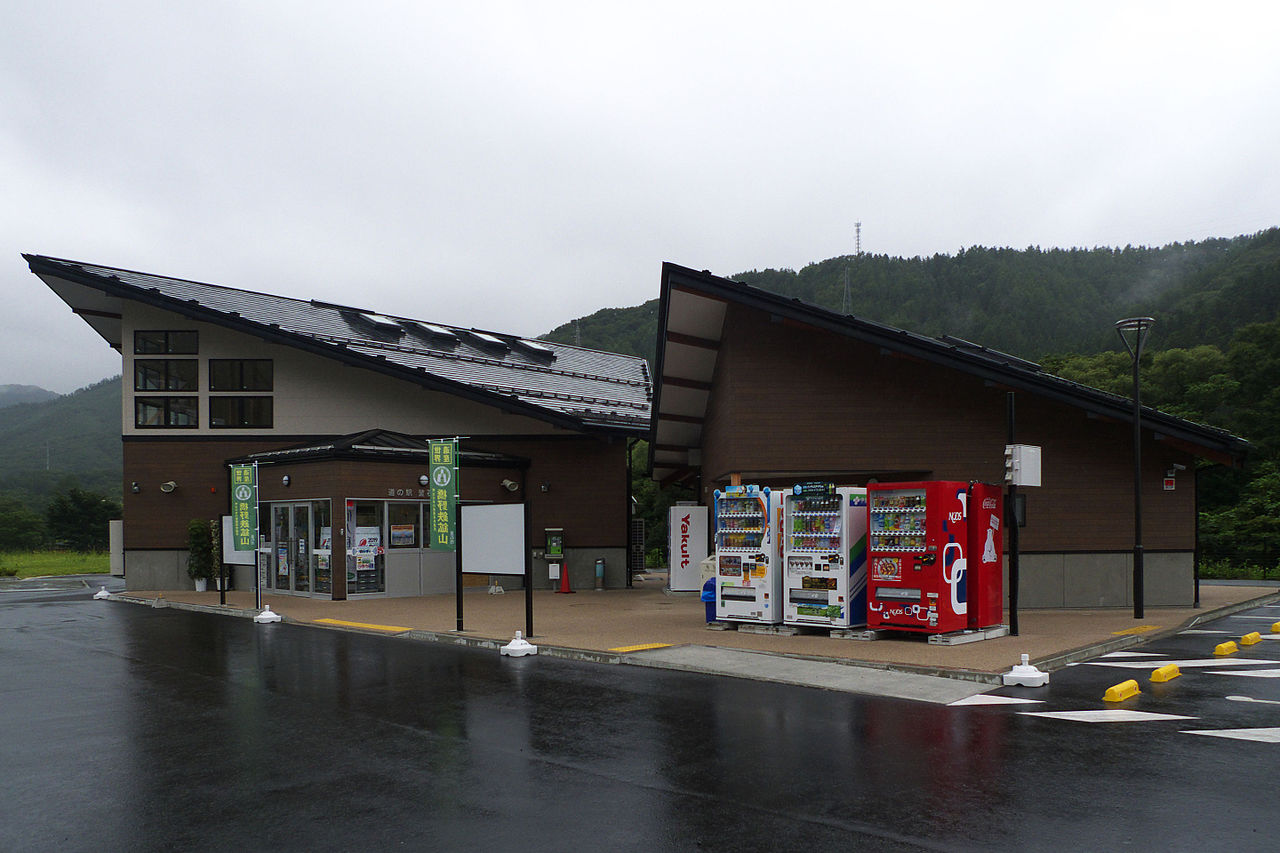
{"x":423,"y":480}
{"x":168,"y":486}
{"x":510,"y":485}
{"x":546,"y":487}
{"x":285,"y":480}
{"x":133,"y":487}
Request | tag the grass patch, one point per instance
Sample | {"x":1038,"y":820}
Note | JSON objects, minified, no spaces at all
{"x":35,"y":564}
{"x":1224,"y":570}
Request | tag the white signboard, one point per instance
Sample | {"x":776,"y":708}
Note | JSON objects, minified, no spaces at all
{"x":493,"y":539}
{"x":687,"y":545}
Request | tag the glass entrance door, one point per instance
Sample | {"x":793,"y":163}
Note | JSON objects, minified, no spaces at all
{"x":291,"y":548}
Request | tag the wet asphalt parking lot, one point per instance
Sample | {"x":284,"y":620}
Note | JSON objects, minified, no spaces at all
{"x":128,"y":727}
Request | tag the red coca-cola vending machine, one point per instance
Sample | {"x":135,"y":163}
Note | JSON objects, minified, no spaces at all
{"x":934,"y":556}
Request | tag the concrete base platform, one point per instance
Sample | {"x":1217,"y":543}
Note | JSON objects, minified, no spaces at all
{"x":956,"y":638}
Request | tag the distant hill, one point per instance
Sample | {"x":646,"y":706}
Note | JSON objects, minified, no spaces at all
{"x":1031,"y":302}
{"x":14,"y":395}
{"x":70,"y":440}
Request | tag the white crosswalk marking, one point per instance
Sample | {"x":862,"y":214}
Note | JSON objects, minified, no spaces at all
{"x":1250,"y":673}
{"x":1117,"y":715}
{"x":1269,"y":735}
{"x":1184,"y":664}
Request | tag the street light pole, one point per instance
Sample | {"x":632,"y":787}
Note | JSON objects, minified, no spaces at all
{"x":1138,"y":328}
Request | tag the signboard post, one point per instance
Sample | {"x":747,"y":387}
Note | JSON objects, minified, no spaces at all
{"x":244,"y":518}
{"x":444,"y":489}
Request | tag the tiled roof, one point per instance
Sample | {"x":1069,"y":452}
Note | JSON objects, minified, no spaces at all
{"x":567,"y":385}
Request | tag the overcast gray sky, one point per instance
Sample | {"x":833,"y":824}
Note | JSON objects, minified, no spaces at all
{"x":511,"y":166}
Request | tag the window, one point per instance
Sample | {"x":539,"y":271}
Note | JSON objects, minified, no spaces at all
{"x":162,"y":412}
{"x":166,"y":375}
{"x":240,"y":412}
{"x":405,"y":524}
{"x":165,"y":343}
{"x":249,"y":374}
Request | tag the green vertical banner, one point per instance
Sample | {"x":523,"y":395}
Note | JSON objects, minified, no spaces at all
{"x":444,"y":494}
{"x":244,"y":507}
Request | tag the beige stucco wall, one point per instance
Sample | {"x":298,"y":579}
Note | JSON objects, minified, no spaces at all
{"x":315,"y":395}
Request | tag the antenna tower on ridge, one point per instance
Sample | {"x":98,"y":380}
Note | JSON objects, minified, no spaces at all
{"x":857,"y":238}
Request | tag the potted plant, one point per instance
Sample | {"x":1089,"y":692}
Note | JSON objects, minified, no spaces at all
{"x":201,"y":553}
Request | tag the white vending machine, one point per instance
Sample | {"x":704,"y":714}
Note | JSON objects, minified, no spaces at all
{"x":825,"y":556}
{"x":748,"y":578}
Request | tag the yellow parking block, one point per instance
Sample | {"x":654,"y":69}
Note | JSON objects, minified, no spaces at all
{"x":642,"y":647}
{"x":1168,"y":672}
{"x":1122,"y":691}
{"x":1252,"y":638}
{"x":390,"y":629}
{"x":1227,"y":648}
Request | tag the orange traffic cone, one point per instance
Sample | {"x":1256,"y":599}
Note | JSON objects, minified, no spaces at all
{"x":564,"y":580}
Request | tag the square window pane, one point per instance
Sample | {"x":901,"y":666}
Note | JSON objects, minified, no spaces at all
{"x":183,"y":411}
{"x":148,"y":412}
{"x":183,"y":343}
{"x":149,"y":342}
{"x":257,"y":374}
{"x":184,"y":375}
{"x":148,"y":375}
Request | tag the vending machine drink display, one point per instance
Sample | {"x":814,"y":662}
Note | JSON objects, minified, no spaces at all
{"x":935,"y":556}
{"x":748,"y":579}
{"x":824,"y":546}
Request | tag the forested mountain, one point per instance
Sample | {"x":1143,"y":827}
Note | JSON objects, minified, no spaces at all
{"x":72,"y":440}
{"x":13,"y":395}
{"x":1030,"y":302}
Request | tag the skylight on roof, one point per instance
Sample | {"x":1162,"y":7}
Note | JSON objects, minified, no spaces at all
{"x":537,"y":347}
{"x":380,"y":321}
{"x":433,"y":329}
{"x":486,"y":338}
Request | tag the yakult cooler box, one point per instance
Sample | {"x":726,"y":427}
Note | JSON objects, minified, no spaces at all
{"x":934,"y":556}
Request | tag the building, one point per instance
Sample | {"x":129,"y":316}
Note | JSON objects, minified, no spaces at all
{"x":770,"y":390}
{"x":334,"y":403}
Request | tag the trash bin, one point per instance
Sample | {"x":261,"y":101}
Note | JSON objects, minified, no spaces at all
{"x":709,"y":598}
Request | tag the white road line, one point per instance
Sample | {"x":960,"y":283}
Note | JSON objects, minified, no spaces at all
{"x":1131,"y":655}
{"x":1109,"y":716}
{"x":986,"y":699}
{"x":1201,"y":631}
{"x":1184,"y":664}
{"x":1251,"y":673}
{"x":1271,"y":735}
{"x":1251,"y":699}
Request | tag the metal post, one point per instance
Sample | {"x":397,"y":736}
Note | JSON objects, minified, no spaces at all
{"x":457,"y":559}
{"x":1011,"y":524}
{"x":1139,"y":326}
{"x":528,"y":558}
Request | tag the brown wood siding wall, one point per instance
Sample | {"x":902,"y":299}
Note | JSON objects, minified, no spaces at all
{"x":154,"y":519}
{"x":793,"y":402}
{"x":586,"y":479}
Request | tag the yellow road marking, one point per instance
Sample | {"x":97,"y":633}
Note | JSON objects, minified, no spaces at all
{"x":642,"y":647}
{"x":1139,"y":629}
{"x":394,"y":629}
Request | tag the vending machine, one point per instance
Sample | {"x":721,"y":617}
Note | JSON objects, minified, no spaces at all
{"x":748,"y":578}
{"x":824,"y":546}
{"x":935,"y":556}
